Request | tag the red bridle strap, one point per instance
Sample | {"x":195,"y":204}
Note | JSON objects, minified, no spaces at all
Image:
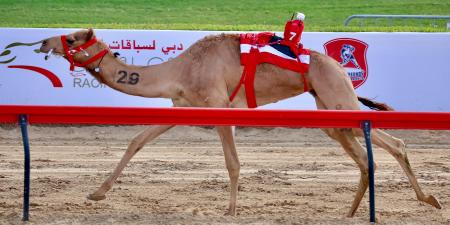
{"x":71,"y":52}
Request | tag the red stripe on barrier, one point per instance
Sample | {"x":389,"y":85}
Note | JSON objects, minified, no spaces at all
{"x":56,"y":82}
{"x":218,"y":116}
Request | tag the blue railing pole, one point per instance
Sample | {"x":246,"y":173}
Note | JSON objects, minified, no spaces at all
{"x":366,"y":126}
{"x":26,"y":179}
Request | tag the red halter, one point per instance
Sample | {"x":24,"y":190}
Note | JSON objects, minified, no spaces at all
{"x":71,"y":52}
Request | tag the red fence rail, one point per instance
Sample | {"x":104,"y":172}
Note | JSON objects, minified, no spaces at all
{"x":209,"y":116}
{"x":218,"y":116}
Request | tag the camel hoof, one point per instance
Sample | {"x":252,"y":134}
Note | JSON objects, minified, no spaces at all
{"x":94,"y":197}
{"x":230,"y":213}
{"x":433,"y":201}
{"x":350,"y":214}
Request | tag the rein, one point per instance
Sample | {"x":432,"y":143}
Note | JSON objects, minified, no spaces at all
{"x":71,"y":52}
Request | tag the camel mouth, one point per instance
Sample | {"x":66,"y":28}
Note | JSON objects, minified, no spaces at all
{"x":51,"y":52}
{"x":42,"y":49}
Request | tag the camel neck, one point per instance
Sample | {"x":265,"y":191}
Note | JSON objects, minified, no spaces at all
{"x":154,"y":81}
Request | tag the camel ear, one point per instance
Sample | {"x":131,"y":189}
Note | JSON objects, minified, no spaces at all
{"x":84,"y":35}
{"x":89,"y":34}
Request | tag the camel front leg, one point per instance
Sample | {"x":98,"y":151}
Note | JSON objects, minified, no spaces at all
{"x":232,"y":163}
{"x":135,"y":145}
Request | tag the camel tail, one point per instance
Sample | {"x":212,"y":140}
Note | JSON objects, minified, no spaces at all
{"x":375,"y":105}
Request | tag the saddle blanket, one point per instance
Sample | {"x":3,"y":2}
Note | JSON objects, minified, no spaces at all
{"x":270,"y":50}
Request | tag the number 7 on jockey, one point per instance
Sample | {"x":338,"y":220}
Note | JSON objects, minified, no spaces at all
{"x":293,"y":31}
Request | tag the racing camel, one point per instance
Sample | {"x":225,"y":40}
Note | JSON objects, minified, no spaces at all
{"x":206,"y":74}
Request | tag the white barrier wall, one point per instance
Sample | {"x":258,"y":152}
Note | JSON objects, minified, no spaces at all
{"x":409,"y":71}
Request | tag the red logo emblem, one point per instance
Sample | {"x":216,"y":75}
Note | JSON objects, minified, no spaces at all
{"x":351,"y":54}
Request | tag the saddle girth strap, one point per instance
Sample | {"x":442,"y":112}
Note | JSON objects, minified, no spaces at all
{"x":303,"y":75}
{"x":248,"y":78}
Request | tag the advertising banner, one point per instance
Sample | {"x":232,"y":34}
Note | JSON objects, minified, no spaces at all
{"x":409,"y":71}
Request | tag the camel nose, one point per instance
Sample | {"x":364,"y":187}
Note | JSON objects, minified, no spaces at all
{"x":44,"y":46}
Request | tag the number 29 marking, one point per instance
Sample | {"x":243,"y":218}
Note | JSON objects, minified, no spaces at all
{"x":132,"y":78}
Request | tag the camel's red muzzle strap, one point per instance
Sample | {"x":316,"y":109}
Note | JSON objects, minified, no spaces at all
{"x":71,"y":52}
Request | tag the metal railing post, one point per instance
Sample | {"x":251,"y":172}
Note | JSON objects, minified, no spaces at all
{"x":26,"y":179}
{"x":366,"y":126}
{"x":391,"y":17}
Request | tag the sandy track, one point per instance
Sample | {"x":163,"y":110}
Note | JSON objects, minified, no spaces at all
{"x":288,"y":176}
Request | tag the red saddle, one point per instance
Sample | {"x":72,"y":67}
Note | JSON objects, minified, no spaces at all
{"x":266,"y":47}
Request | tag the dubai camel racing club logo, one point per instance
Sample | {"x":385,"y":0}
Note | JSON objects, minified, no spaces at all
{"x":6,"y":58}
{"x":351,"y":54}
{"x":79,"y":75}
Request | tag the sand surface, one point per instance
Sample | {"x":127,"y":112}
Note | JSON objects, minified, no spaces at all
{"x":288,"y":176}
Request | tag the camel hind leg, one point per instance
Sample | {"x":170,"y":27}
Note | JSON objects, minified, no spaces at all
{"x":355,"y":150}
{"x":334,"y":90}
{"x":396,"y":148}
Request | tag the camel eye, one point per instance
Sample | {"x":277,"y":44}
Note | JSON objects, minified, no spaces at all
{"x":70,"y":41}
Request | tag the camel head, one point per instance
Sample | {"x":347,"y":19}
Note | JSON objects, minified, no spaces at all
{"x":81,"y":49}
{"x":73,"y":40}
